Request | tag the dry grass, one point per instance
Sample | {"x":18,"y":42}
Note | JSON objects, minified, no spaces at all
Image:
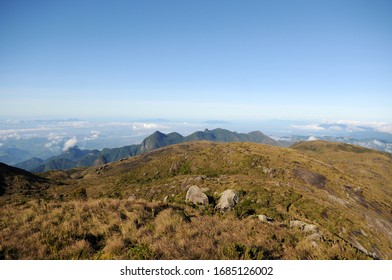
{"x":88,"y":215}
{"x":120,"y":229}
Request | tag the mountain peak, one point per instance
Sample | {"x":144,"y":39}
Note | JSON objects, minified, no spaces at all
{"x":74,"y":156}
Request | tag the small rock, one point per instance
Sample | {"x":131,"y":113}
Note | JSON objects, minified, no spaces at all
{"x":132,"y":198}
{"x":165,"y":199}
{"x":272,"y":173}
{"x":358,"y":190}
{"x":297,"y":223}
{"x":303,"y":226}
{"x":262,"y":218}
{"x":265,"y":219}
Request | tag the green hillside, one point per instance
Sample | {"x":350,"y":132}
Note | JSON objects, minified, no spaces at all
{"x":316,"y":200}
{"x":75,"y":157}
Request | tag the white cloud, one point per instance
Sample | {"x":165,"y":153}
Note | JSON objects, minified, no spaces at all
{"x":94,"y":136}
{"x":16,"y":133}
{"x":11,"y":121}
{"x":50,"y":144}
{"x":1,"y":144}
{"x":312,"y":127}
{"x":113,"y":124}
{"x":56,"y":136}
{"x":75,"y":124}
{"x":54,"y":139}
{"x":378,"y":143}
{"x":377,"y":126}
{"x":70,"y":143}
{"x":384,"y":127}
{"x":148,"y":126}
{"x":9,"y":135}
{"x":336,"y":128}
{"x":312,"y":138}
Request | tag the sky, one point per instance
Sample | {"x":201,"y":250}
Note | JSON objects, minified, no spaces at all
{"x":203,"y":60}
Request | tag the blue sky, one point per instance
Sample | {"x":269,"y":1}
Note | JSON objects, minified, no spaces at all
{"x":241,"y":60}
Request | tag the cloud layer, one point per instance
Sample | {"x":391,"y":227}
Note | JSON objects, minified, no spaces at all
{"x":70,"y":143}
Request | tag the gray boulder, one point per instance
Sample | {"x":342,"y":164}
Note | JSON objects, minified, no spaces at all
{"x":227,"y":201}
{"x":196,"y":196}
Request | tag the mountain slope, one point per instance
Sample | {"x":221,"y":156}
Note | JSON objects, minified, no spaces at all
{"x":75,"y":157}
{"x":326,"y":196}
{"x":316,"y":200}
{"x":30,"y":164}
{"x":14,"y":180}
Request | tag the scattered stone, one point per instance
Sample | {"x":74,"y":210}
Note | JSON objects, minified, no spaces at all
{"x":196,"y":196}
{"x":272,"y":172}
{"x":303,"y":226}
{"x":132,"y":198}
{"x":358,"y":190}
{"x":255,"y":162}
{"x":205,"y":189}
{"x":297,"y":223}
{"x":265,"y":219}
{"x":227,"y":201}
{"x":310,"y":228}
{"x":165,"y":199}
{"x":314,"y":244}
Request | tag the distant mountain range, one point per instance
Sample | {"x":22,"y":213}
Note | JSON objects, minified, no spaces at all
{"x":75,"y":157}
